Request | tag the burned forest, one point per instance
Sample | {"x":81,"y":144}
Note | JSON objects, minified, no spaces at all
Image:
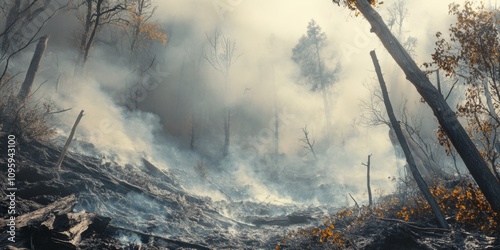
{"x":223,"y":124}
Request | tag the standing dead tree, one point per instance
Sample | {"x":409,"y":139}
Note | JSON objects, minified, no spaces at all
{"x":406,"y":149}
{"x":221,"y":56}
{"x":32,"y":70}
{"x":307,"y":142}
{"x":197,"y":93}
{"x":15,"y":107}
{"x":473,"y":160}
{"x":276,"y":131}
{"x":97,"y":14}
{"x":23,"y":23}
{"x":367,"y":164}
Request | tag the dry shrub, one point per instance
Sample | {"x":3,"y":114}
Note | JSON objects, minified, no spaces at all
{"x":464,"y":205}
{"x":29,"y":121}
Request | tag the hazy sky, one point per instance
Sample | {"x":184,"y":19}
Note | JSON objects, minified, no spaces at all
{"x":252,"y":24}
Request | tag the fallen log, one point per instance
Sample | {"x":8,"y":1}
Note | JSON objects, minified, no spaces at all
{"x":55,"y":226}
{"x":155,"y":239}
{"x":62,"y":206}
{"x":285,"y":220}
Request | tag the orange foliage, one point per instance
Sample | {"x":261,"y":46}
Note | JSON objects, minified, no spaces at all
{"x":147,"y":31}
{"x":351,"y":4}
{"x":465,"y":203}
{"x":472,"y":55}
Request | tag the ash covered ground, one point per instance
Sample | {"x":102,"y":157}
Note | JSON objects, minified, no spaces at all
{"x":144,"y":206}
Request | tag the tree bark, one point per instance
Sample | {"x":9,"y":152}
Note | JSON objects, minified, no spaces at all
{"x":370,"y":201}
{"x":406,"y":149}
{"x":68,"y":141}
{"x":34,"y":65}
{"x":193,"y":133}
{"x":90,"y":41}
{"x":276,"y":133}
{"x":227,"y":115}
{"x":227,"y":131}
{"x":323,"y":90}
{"x":446,"y":117}
{"x":9,"y":23}
{"x":138,"y":24}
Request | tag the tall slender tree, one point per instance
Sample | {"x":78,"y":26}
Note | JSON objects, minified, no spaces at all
{"x":422,"y":185}
{"x":309,"y":54}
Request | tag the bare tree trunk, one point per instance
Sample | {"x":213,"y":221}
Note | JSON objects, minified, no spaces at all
{"x":446,"y":117}
{"x":227,"y":121}
{"x":276,"y":122}
{"x":68,"y":141}
{"x":276,"y":133}
{"x":138,"y":24}
{"x":91,"y":38}
{"x":406,"y":149}
{"x":193,"y":134}
{"x":326,"y":104}
{"x":370,"y":201}
{"x":9,"y":23}
{"x":88,"y":24}
{"x":34,"y":65}
{"x":227,"y":117}
{"x":221,"y":56}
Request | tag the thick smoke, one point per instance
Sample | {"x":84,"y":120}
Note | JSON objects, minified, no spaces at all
{"x":262,"y":80}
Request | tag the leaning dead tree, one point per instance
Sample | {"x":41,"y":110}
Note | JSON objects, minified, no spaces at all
{"x":422,"y":185}
{"x":367,"y":164}
{"x":473,"y":160}
{"x":68,"y":141}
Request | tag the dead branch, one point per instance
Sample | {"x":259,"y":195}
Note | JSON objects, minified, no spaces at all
{"x":150,"y":236}
{"x":59,"y":111}
{"x":370,"y":201}
{"x":355,"y":202}
{"x":68,"y":141}
{"x":308,"y":144}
